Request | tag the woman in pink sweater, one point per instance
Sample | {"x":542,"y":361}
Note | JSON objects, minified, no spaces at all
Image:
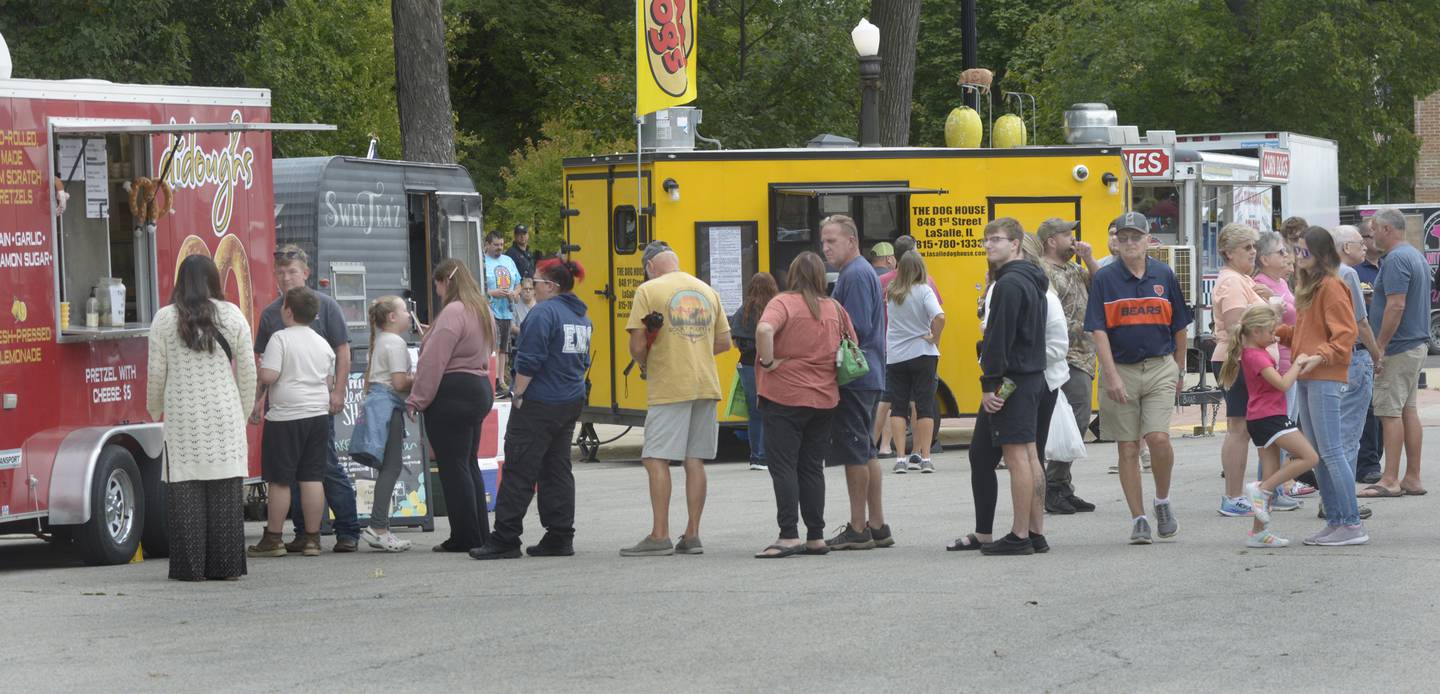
{"x":452,"y":387}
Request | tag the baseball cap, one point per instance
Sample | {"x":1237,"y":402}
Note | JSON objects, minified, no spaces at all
{"x":1135,"y":221}
{"x":521,"y":229}
{"x":1054,"y":226}
{"x":882,"y":249}
{"x":653,"y":249}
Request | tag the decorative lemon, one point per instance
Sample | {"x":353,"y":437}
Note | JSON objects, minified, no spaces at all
{"x":962,"y":128}
{"x":19,"y":311}
{"x":1009,"y":131}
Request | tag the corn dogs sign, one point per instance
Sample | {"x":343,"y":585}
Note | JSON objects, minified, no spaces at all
{"x":665,"y":59}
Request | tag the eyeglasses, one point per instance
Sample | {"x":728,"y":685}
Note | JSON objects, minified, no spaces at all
{"x":1302,"y":252}
{"x":998,"y":238}
{"x":289,"y":255}
{"x":542,"y":279}
{"x":1367,"y":236}
{"x":1129,"y":238}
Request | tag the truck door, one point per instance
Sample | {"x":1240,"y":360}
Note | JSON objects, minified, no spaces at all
{"x":459,"y":230}
{"x":587,"y":203}
{"x":629,"y":232}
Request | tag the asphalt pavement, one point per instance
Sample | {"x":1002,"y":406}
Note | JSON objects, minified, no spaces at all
{"x":1200,"y":613}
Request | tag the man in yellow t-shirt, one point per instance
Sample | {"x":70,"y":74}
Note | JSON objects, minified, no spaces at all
{"x":688,"y":325}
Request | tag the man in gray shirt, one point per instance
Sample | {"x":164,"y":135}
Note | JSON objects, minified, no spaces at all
{"x":1355,"y":399}
{"x":1400,"y":318}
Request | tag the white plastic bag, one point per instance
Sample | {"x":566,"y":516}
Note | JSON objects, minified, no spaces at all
{"x":1065,"y":442}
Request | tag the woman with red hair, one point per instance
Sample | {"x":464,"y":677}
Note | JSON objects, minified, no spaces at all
{"x":551,"y":360}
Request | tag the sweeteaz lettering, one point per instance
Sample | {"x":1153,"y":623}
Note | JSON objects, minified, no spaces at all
{"x":364,"y":212}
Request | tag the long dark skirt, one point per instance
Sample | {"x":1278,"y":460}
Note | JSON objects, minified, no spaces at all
{"x":207,"y":529}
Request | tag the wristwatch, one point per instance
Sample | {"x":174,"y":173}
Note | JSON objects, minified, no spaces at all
{"x":767,"y":364}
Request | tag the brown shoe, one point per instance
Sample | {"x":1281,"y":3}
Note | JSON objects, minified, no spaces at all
{"x":311,"y":547}
{"x":296,"y":545}
{"x":270,"y":545}
{"x":344,"y":545}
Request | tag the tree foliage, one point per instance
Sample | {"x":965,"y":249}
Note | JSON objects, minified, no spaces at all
{"x":1348,"y":70}
{"x":329,"y":61}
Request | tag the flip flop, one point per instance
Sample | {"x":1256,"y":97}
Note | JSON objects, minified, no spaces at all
{"x":1376,"y":491}
{"x":961,"y":545}
{"x":811,"y":552}
{"x":782,"y":553}
{"x":1414,"y":492}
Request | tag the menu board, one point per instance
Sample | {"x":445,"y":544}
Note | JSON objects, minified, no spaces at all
{"x":97,"y":181}
{"x":410,"y":503}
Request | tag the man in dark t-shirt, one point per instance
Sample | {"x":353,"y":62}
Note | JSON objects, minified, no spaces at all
{"x":292,"y":269}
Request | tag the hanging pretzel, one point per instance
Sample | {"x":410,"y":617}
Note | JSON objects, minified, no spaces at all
{"x":145,"y":206}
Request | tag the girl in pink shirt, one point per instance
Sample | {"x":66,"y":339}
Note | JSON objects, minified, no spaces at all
{"x":1270,"y":429}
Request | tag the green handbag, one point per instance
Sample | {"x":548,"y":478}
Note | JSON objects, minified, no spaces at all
{"x":739,"y":407}
{"x":850,"y":362}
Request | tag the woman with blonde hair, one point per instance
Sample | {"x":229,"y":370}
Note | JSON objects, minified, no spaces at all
{"x":1235,"y":292}
{"x":452,"y":387}
{"x":911,"y":356}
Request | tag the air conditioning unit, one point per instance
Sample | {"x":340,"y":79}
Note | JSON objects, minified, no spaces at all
{"x":1181,"y":259}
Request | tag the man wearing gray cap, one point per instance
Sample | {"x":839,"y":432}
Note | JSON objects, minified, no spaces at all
{"x":677,"y":325}
{"x":1071,"y":282}
{"x":1138,"y":318}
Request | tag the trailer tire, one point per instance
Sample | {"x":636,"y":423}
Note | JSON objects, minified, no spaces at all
{"x":1435,"y":333}
{"x":117,"y":510}
{"x":156,"y":538}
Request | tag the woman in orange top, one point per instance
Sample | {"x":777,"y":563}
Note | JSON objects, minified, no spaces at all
{"x":1325,"y":327}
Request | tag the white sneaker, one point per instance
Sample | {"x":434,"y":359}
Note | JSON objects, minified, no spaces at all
{"x":1265,"y":540}
{"x":387,"y":542}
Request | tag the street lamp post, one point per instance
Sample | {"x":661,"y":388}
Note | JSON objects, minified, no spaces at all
{"x":866,"y":37}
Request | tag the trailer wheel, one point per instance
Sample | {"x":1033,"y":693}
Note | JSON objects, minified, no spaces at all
{"x":156,"y":538}
{"x":1435,"y":333}
{"x":117,"y":504}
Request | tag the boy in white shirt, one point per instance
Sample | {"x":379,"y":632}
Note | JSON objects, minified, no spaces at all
{"x":298,"y":366}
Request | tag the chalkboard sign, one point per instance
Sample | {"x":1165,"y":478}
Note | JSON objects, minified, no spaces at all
{"x":410,"y":503}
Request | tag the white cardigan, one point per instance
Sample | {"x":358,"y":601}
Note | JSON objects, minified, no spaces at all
{"x":203,"y":401}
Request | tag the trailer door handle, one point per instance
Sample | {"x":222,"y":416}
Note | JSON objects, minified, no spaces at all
{"x":609,"y":295}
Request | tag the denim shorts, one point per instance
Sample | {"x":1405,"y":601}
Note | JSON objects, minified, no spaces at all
{"x":852,"y":427}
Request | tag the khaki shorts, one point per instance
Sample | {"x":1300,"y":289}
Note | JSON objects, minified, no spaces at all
{"x":1150,"y":387}
{"x":1397,"y":384}
{"x":681,"y":430}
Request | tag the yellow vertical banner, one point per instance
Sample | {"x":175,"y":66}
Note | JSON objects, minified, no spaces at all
{"x":665,"y":58}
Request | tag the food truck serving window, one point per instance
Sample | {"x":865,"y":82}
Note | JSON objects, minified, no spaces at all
{"x":105,"y":244}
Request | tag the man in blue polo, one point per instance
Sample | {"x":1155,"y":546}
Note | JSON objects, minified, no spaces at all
{"x":1138,"y":317}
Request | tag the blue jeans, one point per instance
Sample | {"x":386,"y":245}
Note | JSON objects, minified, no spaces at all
{"x":1354,"y":402}
{"x":339,"y":496}
{"x":1320,"y":420}
{"x":756,"y":428}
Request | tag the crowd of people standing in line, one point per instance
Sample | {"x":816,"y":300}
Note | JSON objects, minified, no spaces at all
{"x":1308,"y":365}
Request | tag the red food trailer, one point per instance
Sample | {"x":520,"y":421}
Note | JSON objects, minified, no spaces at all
{"x":104,"y":188}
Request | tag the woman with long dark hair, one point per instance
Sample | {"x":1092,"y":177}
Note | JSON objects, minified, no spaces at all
{"x":550,"y":365}
{"x":202,"y":384}
{"x":758,"y":292}
{"x":1325,"y":326}
{"x":452,"y":387}
{"x":795,"y":344}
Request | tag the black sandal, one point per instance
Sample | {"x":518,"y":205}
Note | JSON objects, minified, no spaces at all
{"x":816,"y":551}
{"x":784,"y":551}
{"x":959,"y":545}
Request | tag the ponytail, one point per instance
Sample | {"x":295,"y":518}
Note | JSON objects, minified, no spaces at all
{"x":1231,"y":368}
{"x":379,"y":313}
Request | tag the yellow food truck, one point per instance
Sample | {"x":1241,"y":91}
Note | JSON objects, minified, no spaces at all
{"x":731,"y":213}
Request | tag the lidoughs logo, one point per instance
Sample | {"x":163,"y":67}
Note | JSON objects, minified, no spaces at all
{"x":226,"y":168}
{"x":669,"y":39}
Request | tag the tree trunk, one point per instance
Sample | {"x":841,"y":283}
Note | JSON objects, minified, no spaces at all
{"x":422,"y":82}
{"x":899,"y":22}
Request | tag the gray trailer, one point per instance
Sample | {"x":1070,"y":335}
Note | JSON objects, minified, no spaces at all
{"x":372,"y":228}
{"x":375,"y":227}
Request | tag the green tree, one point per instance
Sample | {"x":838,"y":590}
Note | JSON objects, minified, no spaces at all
{"x":1340,"y":69}
{"x":329,"y":61}
{"x":112,"y":40}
